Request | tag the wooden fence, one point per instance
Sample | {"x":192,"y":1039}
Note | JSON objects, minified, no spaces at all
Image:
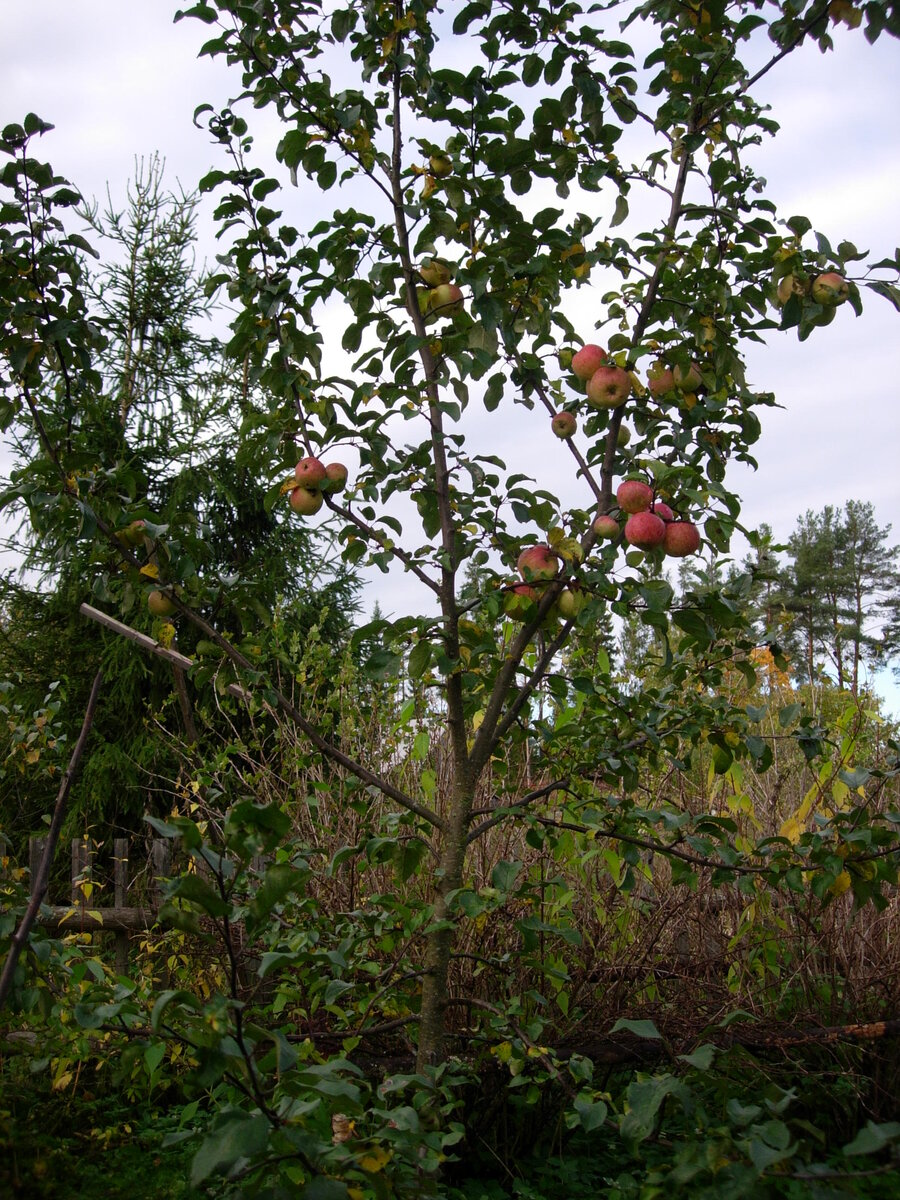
{"x":84,"y":913}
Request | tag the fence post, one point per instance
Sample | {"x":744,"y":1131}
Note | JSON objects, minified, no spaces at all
{"x":120,"y":893}
{"x":36,"y":846}
{"x":161,"y":859}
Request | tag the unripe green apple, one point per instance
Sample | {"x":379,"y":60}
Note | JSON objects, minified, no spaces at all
{"x":423,"y":302}
{"x":159,"y":604}
{"x":571,"y":601}
{"x":687,"y":378}
{"x":623,"y":436}
{"x":434,"y":272}
{"x":441,"y":165}
{"x":789,"y":285}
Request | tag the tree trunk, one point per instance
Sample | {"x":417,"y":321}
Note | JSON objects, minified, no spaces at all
{"x":432,"y":1028}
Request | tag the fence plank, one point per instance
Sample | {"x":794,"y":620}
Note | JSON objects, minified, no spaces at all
{"x":82,"y":862}
{"x":161,"y":857}
{"x":36,"y":847}
{"x":120,"y":892}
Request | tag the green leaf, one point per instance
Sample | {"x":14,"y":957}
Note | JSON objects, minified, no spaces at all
{"x":153,"y":1056}
{"x":872,"y":1138}
{"x":238,"y":1136}
{"x":591,"y":1113}
{"x":419,"y":659}
{"x":168,"y":998}
{"x":504,"y":875}
{"x":621,"y":211}
{"x":643,"y":1029}
{"x":278,"y":882}
{"x":789,"y":714}
{"x":701,"y":1058}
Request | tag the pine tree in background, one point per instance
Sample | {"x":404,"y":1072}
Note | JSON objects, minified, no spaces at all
{"x":838,"y":594}
{"x":166,"y":409}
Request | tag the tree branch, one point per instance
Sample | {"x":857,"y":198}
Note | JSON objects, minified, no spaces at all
{"x":39,"y":885}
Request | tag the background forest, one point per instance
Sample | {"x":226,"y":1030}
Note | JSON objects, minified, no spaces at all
{"x":576,"y":882}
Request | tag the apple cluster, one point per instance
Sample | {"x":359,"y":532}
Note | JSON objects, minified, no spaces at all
{"x":828,"y":290}
{"x":439,"y":297}
{"x":651,"y":523}
{"x":312,"y":479}
{"x":607,"y":385}
{"x":538,"y":566}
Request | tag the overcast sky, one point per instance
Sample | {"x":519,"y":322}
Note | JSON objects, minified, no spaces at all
{"x":120,"y":80}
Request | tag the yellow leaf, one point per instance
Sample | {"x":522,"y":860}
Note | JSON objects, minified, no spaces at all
{"x":376,"y":1159}
{"x":791,"y":829}
{"x":841,"y":884}
{"x":151,"y":570}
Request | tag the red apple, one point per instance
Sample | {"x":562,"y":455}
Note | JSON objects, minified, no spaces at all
{"x":310,"y":473}
{"x":587,"y":360}
{"x":538,"y":562}
{"x":518,"y":601}
{"x":660,"y":382}
{"x":446,"y":298}
{"x":160,"y":604}
{"x":608,"y":387}
{"x":681,"y":539}
{"x":606,"y":526}
{"x":634,"y":496}
{"x":662,"y":510}
{"x":564,"y":424}
{"x":335,"y":477}
{"x":645,"y":530}
{"x":305,"y":501}
{"x":830,"y":289}
{"x":687,"y":378}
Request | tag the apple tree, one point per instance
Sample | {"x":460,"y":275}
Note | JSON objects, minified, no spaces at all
{"x":482,"y":216}
{"x":488,"y":159}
